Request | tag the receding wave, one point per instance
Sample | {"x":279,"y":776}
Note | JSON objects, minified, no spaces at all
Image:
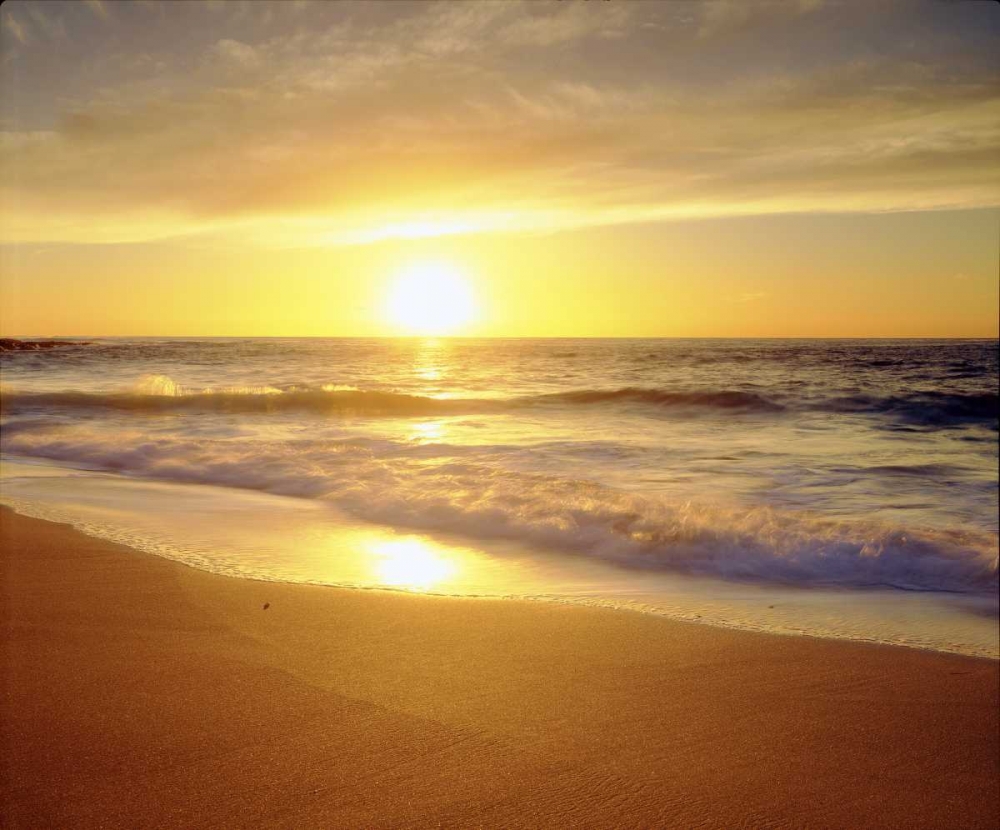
{"x":383,"y":481}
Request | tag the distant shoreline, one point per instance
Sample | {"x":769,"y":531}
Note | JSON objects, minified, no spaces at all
{"x":10,"y":344}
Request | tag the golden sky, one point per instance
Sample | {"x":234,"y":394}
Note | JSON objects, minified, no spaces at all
{"x":590,"y":168}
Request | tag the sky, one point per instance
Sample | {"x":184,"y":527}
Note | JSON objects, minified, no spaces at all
{"x":587,"y":167}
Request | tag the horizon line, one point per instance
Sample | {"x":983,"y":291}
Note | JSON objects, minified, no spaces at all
{"x":27,"y":337}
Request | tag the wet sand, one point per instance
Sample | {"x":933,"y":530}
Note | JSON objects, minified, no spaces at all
{"x":138,"y":693}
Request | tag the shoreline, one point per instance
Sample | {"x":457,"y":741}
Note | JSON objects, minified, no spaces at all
{"x":595,"y":603}
{"x":644,"y":604}
{"x":141,"y":692}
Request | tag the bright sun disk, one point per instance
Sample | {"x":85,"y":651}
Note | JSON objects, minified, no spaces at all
{"x":431,"y":299}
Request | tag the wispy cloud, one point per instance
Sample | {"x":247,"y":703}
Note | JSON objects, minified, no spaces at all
{"x":382,"y":122}
{"x":748,"y":297}
{"x":99,"y":7}
{"x":727,"y":17}
{"x":52,"y":27}
{"x":572,"y":21}
{"x":17,"y":30}
{"x":234,"y":50}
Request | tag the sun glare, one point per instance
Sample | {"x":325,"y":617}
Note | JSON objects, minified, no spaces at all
{"x":413,"y":564}
{"x":431,"y":299}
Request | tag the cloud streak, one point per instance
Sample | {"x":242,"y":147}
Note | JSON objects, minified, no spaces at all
{"x":16,"y":29}
{"x":456,"y":118}
{"x":99,"y":8}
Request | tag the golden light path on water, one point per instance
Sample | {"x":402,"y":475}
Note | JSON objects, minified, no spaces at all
{"x":428,"y":432}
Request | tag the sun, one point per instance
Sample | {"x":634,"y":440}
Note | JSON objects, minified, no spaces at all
{"x":430,"y":299}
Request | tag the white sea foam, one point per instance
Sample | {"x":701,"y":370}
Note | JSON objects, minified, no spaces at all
{"x":401,"y":485}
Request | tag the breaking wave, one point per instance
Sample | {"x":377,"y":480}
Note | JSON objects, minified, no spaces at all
{"x":385,"y":481}
{"x":251,"y":400}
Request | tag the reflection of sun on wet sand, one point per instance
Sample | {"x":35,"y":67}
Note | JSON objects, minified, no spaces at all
{"x":412,"y":564}
{"x":370,"y":556}
{"x":142,"y":693}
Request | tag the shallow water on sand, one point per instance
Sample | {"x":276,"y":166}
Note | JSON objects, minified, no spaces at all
{"x":854,"y":480}
{"x":261,"y":536}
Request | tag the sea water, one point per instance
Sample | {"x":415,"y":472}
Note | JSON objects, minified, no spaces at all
{"x":844,"y":488}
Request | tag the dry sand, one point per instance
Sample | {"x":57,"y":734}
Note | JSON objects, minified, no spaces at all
{"x":141,"y":693}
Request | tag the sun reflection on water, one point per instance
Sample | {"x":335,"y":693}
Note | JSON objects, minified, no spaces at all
{"x":429,"y":372}
{"x":428,"y":432}
{"x":430,"y":361}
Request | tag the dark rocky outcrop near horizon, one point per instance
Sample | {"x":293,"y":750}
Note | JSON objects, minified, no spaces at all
{"x":9,"y":344}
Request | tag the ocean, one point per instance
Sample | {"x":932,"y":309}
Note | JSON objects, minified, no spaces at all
{"x":840,"y":488}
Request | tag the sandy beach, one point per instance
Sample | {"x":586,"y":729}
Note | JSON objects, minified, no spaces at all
{"x":141,"y":693}
{"x":517,"y":415}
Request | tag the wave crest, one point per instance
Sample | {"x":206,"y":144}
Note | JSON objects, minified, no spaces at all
{"x":725,"y":399}
{"x":159,"y":393}
{"x":249,"y":400}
